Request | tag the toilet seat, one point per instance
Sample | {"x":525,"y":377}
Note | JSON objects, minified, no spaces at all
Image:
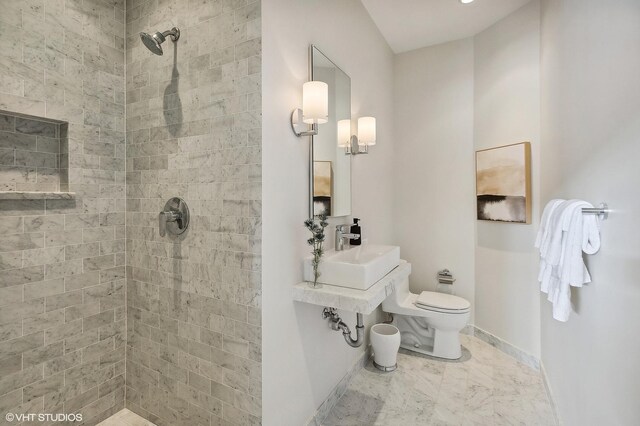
{"x":442,"y":302}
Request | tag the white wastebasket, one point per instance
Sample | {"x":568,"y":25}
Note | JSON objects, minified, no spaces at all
{"x":385,"y":340}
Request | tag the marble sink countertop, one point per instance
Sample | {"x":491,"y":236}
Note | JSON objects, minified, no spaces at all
{"x":349,"y":299}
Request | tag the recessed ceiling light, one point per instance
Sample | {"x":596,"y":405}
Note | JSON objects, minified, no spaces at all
{"x":466,"y":1}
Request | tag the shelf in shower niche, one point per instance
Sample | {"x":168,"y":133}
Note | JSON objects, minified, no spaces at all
{"x":349,"y":299}
{"x":33,"y":195}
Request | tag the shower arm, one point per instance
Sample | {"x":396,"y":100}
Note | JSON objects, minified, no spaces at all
{"x":173,"y":32}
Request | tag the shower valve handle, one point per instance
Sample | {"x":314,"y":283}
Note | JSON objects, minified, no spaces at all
{"x":164,"y":217}
{"x":174,"y":217}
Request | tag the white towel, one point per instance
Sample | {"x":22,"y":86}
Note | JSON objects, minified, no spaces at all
{"x":564,"y":234}
{"x":551,"y":248}
{"x":543,"y":232}
{"x":571,"y":269}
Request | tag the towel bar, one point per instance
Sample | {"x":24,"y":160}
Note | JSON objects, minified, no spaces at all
{"x":602,"y":211}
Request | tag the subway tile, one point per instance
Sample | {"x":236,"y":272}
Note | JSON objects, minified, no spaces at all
{"x":63,"y":269}
{"x":42,"y":354}
{"x":43,"y":289}
{"x":11,"y":330}
{"x":11,"y":364}
{"x":21,"y":378}
{"x":77,"y":282}
{"x":62,"y":238}
{"x":12,"y":140}
{"x":11,"y":225}
{"x":24,"y":309}
{"x":63,"y":331}
{"x":62,"y":363}
{"x":36,"y":159}
{"x":44,"y":223}
{"x":10,"y":260}
{"x":80,"y":251}
{"x":43,"y":321}
{"x":7,"y":123}
{"x":7,"y":157}
{"x":43,"y":387}
{"x":12,"y":277}
{"x":99,"y":320}
{"x":63,"y":300}
{"x":21,"y":344}
{"x":10,"y":295}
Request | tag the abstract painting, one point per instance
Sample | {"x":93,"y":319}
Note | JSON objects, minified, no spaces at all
{"x":503,"y":183}
{"x":322,"y":187}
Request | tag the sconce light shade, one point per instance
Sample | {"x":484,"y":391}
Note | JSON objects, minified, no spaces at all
{"x":344,"y":133}
{"x":367,"y":131}
{"x":315,"y":102}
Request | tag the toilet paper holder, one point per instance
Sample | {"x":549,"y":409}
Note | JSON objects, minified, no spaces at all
{"x":445,"y":277}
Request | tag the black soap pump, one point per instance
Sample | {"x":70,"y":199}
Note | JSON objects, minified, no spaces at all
{"x":355,"y":229}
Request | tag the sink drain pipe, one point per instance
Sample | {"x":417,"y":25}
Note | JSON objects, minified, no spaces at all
{"x":337,"y":324}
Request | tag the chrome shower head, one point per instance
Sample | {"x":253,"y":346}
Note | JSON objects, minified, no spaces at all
{"x":153,"y":41}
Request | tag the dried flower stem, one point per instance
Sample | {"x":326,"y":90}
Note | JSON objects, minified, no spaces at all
{"x":317,"y":231}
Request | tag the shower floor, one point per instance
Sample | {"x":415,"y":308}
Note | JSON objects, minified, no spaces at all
{"x":484,"y":387}
{"x":125,"y":418}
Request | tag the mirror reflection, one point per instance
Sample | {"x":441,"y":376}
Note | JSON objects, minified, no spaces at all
{"x":331,"y":183}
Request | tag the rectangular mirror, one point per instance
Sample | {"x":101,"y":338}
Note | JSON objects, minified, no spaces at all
{"x":330,"y":168}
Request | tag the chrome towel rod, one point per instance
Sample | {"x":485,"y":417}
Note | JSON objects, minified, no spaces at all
{"x":602,"y":211}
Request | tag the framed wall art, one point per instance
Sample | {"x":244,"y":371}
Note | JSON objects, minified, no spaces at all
{"x":503,"y":183}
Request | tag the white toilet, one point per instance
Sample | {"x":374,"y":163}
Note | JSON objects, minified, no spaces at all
{"x":429,"y":322}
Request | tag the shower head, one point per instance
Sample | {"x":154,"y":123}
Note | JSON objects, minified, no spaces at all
{"x":154,"y":41}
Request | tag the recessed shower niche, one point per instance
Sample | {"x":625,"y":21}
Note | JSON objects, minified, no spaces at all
{"x":34,"y":160}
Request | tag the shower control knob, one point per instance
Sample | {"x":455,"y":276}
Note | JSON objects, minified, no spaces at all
{"x":174,"y":218}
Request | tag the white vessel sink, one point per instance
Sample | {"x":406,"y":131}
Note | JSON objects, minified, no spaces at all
{"x":358,"y":267}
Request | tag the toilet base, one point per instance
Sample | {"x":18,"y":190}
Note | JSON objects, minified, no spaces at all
{"x":418,"y":335}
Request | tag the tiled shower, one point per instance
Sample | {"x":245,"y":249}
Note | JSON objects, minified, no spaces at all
{"x":98,"y":311}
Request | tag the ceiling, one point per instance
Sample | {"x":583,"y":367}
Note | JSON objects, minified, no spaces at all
{"x":411,"y":24}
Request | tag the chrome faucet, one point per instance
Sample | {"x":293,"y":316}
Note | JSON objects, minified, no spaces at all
{"x":342,"y":234}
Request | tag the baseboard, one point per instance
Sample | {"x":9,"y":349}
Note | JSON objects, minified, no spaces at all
{"x":336,"y":393}
{"x":501,"y":345}
{"x":547,"y":388}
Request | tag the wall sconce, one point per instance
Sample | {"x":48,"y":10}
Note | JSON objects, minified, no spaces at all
{"x":315,"y":109}
{"x":352,"y":144}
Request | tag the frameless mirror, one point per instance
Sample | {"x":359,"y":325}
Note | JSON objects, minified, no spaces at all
{"x":330,"y":167}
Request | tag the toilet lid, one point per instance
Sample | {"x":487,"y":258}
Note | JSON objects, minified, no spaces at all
{"x":441,"y":301}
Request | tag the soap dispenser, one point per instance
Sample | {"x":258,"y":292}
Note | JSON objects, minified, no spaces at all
{"x":355,"y":229}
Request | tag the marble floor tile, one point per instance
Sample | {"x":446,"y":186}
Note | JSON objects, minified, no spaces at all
{"x":125,"y":417}
{"x":485,"y":387}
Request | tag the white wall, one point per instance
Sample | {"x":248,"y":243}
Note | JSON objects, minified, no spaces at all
{"x":302,"y":358}
{"x":590,"y":150}
{"x":506,"y":111}
{"x":434,"y":178}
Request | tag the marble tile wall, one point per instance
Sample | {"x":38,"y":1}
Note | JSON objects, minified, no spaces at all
{"x":194,"y":131}
{"x":62,"y":262}
{"x":33,"y":154}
